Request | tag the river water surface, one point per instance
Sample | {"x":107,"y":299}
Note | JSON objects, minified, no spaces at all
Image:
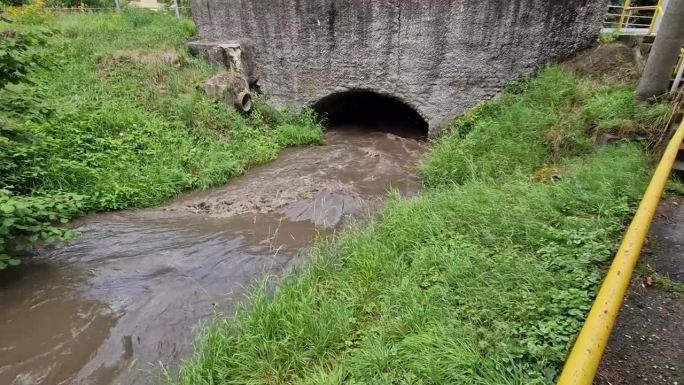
{"x":129,"y":293}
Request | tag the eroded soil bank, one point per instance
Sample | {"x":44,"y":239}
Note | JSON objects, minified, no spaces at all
{"x":130,"y":291}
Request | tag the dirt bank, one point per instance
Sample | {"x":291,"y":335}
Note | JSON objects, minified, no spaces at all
{"x":614,"y":62}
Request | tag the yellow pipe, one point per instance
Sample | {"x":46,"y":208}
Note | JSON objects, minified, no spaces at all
{"x":583,"y":361}
{"x":623,"y":15}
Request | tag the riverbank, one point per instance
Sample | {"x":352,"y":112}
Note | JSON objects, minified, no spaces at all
{"x":132,"y":289}
{"x":485,"y":279}
{"x":116,"y":119}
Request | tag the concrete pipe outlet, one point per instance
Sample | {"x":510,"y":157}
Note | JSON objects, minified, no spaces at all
{"x":243,"y":101}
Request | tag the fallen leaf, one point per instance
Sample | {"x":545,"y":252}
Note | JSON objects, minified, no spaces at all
{"x":648,"y":280}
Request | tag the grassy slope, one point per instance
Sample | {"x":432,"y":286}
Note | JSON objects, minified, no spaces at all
{"x":126,"y":133}
{"x":484,"y":279}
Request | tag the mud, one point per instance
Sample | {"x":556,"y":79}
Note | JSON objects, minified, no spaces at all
{"x":614,"y":62}
{"x":132,"y":290}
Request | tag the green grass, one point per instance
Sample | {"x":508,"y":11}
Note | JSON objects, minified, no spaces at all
{"x":667,"y":284}
{"x":130,"y":133}
{"x":483,"y":279}
{"x":556,"y":115}
{"x":661,"y":281}
{"x":675,"y":186}
{"x":609,"y":37}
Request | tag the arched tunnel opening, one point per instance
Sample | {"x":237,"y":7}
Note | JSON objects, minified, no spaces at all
{"x":371,"y":111}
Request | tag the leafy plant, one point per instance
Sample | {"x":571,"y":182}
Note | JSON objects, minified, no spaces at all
{"x":18,"y":55}
{"x":608,"y":37}
{"x":25,"y":220}
{"x":33,"y":13}
{"x":120,"y":122}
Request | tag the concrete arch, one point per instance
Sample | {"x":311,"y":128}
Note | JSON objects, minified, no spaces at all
{"x":372,"y":109}
{"x":441,"y":56}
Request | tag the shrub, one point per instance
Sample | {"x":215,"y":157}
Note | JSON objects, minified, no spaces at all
{"x":33,"y":13}
{"x":19,"y":57}
{"x":121,"y":123}
{"x":24,"y":220}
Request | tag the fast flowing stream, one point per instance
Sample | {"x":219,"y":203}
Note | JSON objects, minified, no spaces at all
{"x":129,"y":293}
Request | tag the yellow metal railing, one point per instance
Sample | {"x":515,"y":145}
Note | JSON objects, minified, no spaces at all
{"x":646,"y":17}
{"x":583,"y":361}
{"x":680,"y":61}
{"x":678,"y":73}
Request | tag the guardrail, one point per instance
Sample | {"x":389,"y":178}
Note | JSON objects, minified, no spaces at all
{"x":633,"y":20}
{"x":678,"y":73}
{"x":585,"y":356}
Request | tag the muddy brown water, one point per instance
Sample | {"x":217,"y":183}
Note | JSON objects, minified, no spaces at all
{"x":132,"y":290}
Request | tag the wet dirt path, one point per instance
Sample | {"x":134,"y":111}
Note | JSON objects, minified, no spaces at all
{"x":647,"y":343}
{"x":130,"y":291}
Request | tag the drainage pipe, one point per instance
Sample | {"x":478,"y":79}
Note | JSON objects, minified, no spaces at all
{"x":242,"y":100}
{"x":583,"y":361}
{"x":232,"y":87}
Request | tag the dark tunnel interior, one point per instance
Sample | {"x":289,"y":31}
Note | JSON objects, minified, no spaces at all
{"x":360,"y":109}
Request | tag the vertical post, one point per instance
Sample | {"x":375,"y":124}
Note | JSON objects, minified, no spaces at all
{"x":656,"y":17}
{"x":679,"y":73}
{"x":117,"y":3}
{"x":659,"y":19}
{"x":623,"y":15}
{"x":663,"y":56}
{"x":175,"y":5}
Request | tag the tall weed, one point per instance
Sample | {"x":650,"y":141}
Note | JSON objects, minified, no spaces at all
{"x":539,"y":121}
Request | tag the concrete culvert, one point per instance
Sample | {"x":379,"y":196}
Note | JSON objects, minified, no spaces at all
{"x":232,"y":88}
{"x":243,"y":101}
{"x":370,"y":110}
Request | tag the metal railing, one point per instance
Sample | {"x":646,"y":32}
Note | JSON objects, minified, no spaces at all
{"x":631,"y":19}
{"x":678,"y":73}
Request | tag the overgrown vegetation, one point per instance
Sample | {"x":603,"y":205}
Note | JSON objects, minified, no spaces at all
{"x":117,"y":121}
{"x":484,"y":279}
{"x":555,"y":116}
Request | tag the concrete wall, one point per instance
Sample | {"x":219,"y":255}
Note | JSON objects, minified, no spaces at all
{"x":439,"y":56}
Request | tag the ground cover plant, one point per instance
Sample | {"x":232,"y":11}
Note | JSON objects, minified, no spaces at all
{"x":103,"y":112}
{"x":483,"y":279}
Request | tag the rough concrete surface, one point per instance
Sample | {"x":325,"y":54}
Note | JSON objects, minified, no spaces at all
{"x":647,"y":343}
{"x":438,"y":56}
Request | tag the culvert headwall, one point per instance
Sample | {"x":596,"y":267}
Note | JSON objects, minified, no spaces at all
{"x":440,"y":57}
